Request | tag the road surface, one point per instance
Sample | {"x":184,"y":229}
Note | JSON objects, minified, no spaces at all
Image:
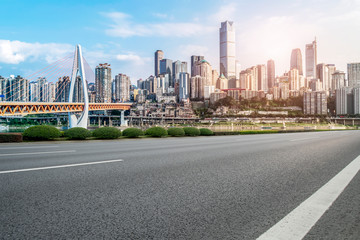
{"x":221,"y":187}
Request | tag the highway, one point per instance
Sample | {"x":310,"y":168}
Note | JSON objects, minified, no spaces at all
{"x":273,"y":186}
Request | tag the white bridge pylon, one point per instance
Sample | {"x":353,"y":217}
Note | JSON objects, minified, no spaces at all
{"x":78,"y":70}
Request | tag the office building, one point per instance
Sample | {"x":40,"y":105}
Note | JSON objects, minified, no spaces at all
{"x":103,"y":83}
{"x":344,"y":101}
{"x":159,"y":55}
{"x":184,"y":86}
{"x":262,"y":78}
{"x":194,"y":60}
{"x":294,"y":79}
{"x":353,"y":70}
{"x":271,"y":73}
{"x":227,"y":51}
{"x":338,"y":80}
{"x":166,"y":69}
{"x":311,"y":59}
{"x":296,"y":60}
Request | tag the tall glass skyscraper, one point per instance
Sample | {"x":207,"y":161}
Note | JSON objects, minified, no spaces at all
{"x":311,"y":59}
{"x":296,"y":60}
{"x":227,"y":50}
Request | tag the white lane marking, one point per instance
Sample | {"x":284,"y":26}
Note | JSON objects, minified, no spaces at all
{"x":301,"y":139}
{"x":298,"y":223}
{"x":32,"y":153}
{"x":7,"y":148}
{"x":59,"y":166}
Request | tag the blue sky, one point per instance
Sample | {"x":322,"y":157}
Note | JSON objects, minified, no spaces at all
{"x":127,"y":33}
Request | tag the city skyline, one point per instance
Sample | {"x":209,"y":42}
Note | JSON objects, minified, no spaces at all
{"x":127,"y":42}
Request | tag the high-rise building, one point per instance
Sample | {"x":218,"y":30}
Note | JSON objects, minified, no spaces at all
{"x":204,"y":69}
{"x":166,"y":69}
{"x":322,"y":73}
{"x":122,"y":88}
{"x":296,"y":60}
{"x":159,"y":55}
{"x":103,"y":83}
{"x":331,"y":70}
{"x":311,"y":59}
{"x":344,"y":101}
{"x":294,"y":79}
{"x":184,"y":86}
{"x":3,"y":88}
{"x":194,"y":60}
{"x":197,"y":87}
{"x":356,"y":93}
{"x":262,"y":78}
{"x":18,"y":89}
{"x":338,"y":80}
{"x":315,"y":103}
{"x":227,"y":51}
{"x":271,"y":73}
{"x":62,"y":89}
{"x":353,"y":70}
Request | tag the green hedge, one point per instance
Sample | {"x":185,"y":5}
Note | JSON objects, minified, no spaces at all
{"x":206,"y":132}
{"x":41,"y":132}
{"x":11,"y":137}
{"x":191,"y":131}
{"x":106,"y":133}
{"x":132,"y":132}
{"x":156,"y":132}
{"x":176,"y":132}
{"x":77,"y":133}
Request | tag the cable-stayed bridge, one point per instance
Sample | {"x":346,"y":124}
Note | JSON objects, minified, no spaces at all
{"x":40,"y":93}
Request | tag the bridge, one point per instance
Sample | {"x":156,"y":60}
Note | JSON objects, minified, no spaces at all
{"x":77,"y":111}
{"x":24,"y":108}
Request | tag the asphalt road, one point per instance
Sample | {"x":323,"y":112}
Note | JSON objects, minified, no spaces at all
{"x":226,"y":187}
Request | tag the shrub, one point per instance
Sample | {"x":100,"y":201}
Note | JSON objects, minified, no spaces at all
{"x":77,"y":133}
{"x":11,"y":137}
{"x":206,"y":132}
{"x":41,"y":132}
{"x":106,"y":133}
{"x":176,"y":132}
{"x":156,"y":132}
{"x":62,"y":133}
{"x":191,"y":131}
{"x":132,"y":132}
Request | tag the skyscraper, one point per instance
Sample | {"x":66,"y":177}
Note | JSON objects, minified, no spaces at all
{"x":159,"y":55}
{"x":166,"y":68}
{"x":271,"y":73}
{"x":194,"y":60}
{"x":103,"y":83}
{"x":227,"y":50}
{"x":311,"y":59}
{"x":122,"y":88}
{"x":262,"y":80}
{"x":296,"y":60}
{"x":353,"y":70}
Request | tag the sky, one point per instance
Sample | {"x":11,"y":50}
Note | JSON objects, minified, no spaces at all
{"x":34,"y":34}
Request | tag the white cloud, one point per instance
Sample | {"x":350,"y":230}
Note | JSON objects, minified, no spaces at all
{"x":15,"y":52}
{"x":225,"y":12}
{"x":123,"y":26}
{"x":132,"y":58}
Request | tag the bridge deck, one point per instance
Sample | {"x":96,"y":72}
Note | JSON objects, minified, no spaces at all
{"x":24,"y":108}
